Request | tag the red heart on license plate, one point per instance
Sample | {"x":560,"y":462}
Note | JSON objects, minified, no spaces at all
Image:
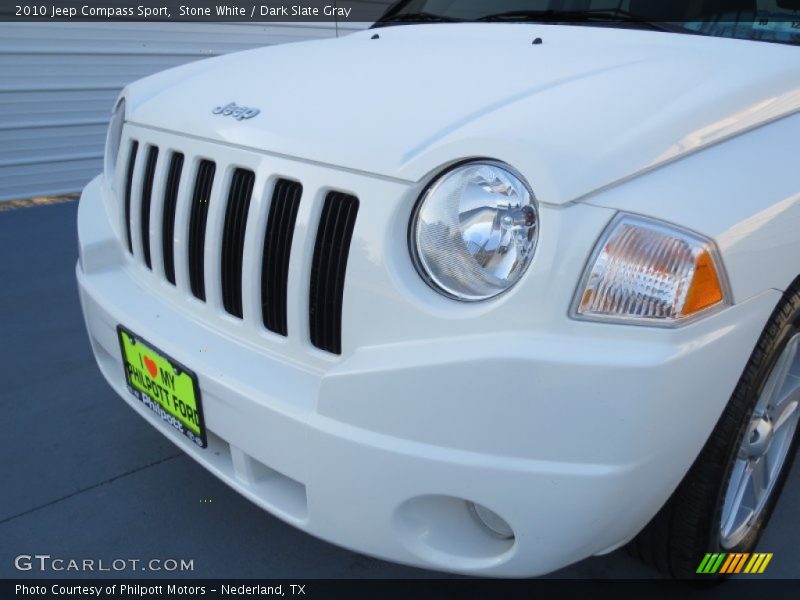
{"x":152,"y":367}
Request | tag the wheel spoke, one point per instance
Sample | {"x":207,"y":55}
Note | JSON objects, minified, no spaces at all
{"x":760,"y":476}
{"x":740,"y":479}
{"x":786,"y":412}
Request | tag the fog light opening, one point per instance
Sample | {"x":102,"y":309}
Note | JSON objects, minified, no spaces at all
{"x":493,"y":523}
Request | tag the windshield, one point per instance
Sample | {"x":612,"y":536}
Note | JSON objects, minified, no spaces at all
{"x":762,"y":20}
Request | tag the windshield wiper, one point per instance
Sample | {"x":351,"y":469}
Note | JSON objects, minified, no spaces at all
{"x":415,"y":17}
{"x":578,"y":16}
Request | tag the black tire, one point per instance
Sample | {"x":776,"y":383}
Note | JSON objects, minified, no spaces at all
{"x":687,"y":527}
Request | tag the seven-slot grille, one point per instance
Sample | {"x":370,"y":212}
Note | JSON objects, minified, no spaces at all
{"x":334,"y":233}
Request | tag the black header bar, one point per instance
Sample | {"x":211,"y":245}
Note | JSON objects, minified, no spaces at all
{"x":385,"y":589}
{"x":321,"y":11}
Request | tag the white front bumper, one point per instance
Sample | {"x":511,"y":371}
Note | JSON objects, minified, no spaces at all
{"x":575,"y":433}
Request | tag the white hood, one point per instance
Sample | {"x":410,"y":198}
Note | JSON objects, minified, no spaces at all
{"x":586,"y":108}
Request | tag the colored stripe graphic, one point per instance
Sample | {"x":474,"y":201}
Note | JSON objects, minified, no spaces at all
{"x":727,"y":564}
{"x":740,"y":564}
{"x":734,"y":562}
{"x":711,"y":563}
{"x":764,"y":564}
{"x":704,"y":564}
{"x":758,"y":563}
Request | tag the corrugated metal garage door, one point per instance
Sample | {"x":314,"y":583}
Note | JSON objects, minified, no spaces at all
{"x":59,"y":80}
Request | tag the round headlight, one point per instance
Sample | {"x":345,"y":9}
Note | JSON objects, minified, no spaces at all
{"x":113,"y":140}
{"x":474,"y":232}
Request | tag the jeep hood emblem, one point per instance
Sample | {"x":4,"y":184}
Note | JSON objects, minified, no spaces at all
{"x":233,"y":110}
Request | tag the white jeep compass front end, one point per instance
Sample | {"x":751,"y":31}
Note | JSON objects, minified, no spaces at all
{"x":473,"y":296}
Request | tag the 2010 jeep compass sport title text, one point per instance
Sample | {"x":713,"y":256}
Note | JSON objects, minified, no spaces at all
{"x":488,"y":288}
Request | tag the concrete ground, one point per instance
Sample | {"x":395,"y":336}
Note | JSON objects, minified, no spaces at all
{"x":85,"y":477}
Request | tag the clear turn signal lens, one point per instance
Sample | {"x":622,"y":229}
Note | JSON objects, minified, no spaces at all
{"x":646,"y":271}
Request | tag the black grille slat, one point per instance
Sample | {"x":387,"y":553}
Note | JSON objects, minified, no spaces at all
{"x":147,"y":195}
{"x":233,"y":246}
{"x":168,"y":223}
{"x":128,"y":186}
{"x":287,"y":198}
{"x":277,"y":252}
{"x":197,"y":227}
{"x":347,"y":222}
{"x":234,"y":230}
{"x":320,"y":276}
{"x":227,"y":255}
{"x":328,"y":270}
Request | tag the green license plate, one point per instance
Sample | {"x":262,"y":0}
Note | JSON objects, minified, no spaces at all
{"x":164,"y":386}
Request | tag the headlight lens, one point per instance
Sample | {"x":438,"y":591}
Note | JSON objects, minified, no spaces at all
{"x":113,"y":139}
{"x":649,"y":272}
{"x":474,"y":232}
